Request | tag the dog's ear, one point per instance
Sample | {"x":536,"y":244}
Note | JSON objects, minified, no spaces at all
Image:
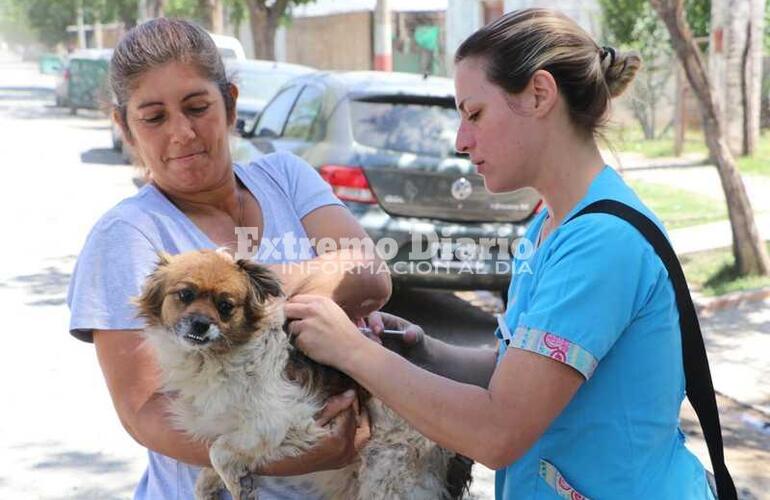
{"x":264,"y":284}
{"x":150,"y":302}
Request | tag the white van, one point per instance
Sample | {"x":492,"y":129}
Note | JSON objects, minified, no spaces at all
{"x":229,"y":47}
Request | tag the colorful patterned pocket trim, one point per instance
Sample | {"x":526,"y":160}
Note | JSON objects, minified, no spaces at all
{"x":555,"y":480}
{"x":554,"y":347}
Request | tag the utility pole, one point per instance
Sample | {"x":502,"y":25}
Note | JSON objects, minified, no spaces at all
{"x":150,"y":9}
{"x":81,"y":26}
{"x":383,"y":49}
{"x":680,"y":110}
{"x":142,"y":16}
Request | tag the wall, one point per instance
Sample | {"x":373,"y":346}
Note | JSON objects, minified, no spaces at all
{"x":340,"y":41}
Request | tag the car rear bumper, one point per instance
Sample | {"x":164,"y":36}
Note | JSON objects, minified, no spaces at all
{"x":428,"y":250}
{"x":452,"y":281}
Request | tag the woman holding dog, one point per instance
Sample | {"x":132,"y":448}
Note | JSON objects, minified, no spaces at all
{"x":176,"y":108}
{"x":583,"y":397}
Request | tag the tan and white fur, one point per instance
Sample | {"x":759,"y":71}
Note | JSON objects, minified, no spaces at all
{"x":217,"y":329}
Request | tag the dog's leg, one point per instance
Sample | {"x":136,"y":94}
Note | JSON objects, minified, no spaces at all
{"x":231,"y":466}
{"x":208,"y":485}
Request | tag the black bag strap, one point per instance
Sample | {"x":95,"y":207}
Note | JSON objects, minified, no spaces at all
{"x":700,"y":390}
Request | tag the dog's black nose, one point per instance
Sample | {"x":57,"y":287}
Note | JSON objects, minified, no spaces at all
{"x":200,"y":325}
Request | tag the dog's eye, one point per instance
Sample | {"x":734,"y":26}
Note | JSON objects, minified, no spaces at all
{"x":224,"y":307}
{"x":186,"y":295}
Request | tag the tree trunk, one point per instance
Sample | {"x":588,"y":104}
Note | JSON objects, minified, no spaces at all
{"x":735,"y":63}
{"x":750,"y":253}
{"x":213,"y":15}
{"x":753,"y":90}
{"x":156,"y":8}
{"x":263,"y":21}
{"x":680,"y":112}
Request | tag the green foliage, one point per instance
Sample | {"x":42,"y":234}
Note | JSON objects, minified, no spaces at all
{"x":47,"y":20}
{"x":50,"y":19}
{"x":125,"y":11}
{"x":698,"y":13}
{"x":713,"y":273}
{"x":14,"y":27}
{"x":186,"y":9}
{"x":767,"y":26}
{"x":635,"y":23}
{"x":678,"y":208}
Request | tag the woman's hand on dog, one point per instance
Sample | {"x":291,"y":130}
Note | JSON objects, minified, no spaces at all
{"x":332,"y":336}
{"x":350,"y":431}
{"x":379,"y":321}
{"x":321,"y":329}
{"x":413,"y":345}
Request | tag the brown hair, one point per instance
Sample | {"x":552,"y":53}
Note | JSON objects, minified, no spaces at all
{"x":522,"y":42}
{"x":157,"y":42}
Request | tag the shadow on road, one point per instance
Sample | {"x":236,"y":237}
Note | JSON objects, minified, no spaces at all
{"x":444,"y":315}
{"x":25,"y":93}
{"x":50,"y":285}
{"x":36,"y":108}
{"x":746,"y":449}
{"x":102,"y":156}
{"x":80,"y":462}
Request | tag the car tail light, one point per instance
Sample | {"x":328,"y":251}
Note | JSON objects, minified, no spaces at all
{"x":348,"y":183}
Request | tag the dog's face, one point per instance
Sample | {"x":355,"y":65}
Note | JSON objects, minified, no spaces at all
{"x":206,"y":299}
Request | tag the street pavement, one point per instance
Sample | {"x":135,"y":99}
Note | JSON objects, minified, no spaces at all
{"x":58,"y":431}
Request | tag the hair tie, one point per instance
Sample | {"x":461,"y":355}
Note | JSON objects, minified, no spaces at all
{"x":611,"y":52}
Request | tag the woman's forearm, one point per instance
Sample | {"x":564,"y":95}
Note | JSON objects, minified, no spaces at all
{"x":152,"y":429}
{"x":453,"y":414}
{"x":469,"y":365}
{"x":359,"y":283}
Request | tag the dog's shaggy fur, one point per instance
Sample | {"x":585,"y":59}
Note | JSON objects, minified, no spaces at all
{"x":216,"y":326}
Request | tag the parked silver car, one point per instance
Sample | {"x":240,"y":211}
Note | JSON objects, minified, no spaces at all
{"x":385,"y":143}
{"x":258,"y":81}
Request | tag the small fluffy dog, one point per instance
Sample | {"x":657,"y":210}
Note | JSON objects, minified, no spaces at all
{"x":217,"y":328}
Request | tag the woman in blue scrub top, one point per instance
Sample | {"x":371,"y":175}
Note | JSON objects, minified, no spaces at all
{"x":582,"y":398}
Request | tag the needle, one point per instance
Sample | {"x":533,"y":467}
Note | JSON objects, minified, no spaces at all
{"x":368,"y":331}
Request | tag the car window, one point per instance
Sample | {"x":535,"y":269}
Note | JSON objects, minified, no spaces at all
{"x":261,"y":85}
{"x":303,"y":115}
{"x":423,"y":129}
{"x":274,"y":116}
{"x":227,"y":53}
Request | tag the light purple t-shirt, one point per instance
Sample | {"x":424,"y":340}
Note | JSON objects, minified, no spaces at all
{"x":122,"y":249}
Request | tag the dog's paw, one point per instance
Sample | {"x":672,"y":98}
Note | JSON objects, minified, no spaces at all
{"x":249,"y":484}
{"x":209,"y":485}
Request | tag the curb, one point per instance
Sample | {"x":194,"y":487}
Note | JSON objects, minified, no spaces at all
{"x":663,"y":165}
{"x":706,"y":306}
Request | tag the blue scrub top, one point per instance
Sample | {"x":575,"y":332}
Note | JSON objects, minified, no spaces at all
{"x":594,"y":295}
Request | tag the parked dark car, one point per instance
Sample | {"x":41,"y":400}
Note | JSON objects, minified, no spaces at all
{"x":385,"y":143}
{"x":258,"y":81}
{"x":82,"y":82}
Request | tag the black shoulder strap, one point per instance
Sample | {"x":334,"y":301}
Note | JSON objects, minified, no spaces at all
{"x":700,"y":390}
